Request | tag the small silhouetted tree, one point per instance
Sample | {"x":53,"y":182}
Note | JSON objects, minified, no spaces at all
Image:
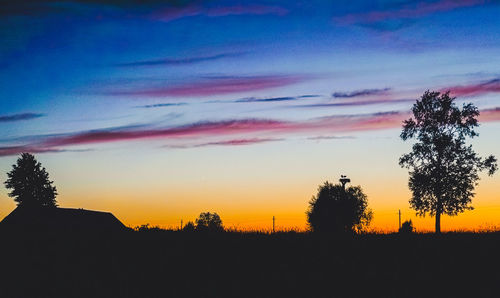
{"x":210,"y":222}
{"x":147,"y":228}
{"x":443,"y":168}
{"x":189,"y":227}
{"x":407,"y":227}
{"x":338,"y":210}
{"x":30,"y":184}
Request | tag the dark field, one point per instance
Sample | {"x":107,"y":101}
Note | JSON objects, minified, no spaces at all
{"x":180,"y":264}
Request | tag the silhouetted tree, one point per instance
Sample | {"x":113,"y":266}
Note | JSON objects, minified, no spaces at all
{"x":338,"y":210}
{"x":209,"y":222}
{"x":147,"y":228}
{"x":443,"y":168}
{"x":189,"y":227}
{"x":407,"y":227}
{"x":29,"y":183}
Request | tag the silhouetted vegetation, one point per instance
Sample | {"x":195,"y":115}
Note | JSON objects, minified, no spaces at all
{"x":443,"y":168}
{"x":147,"y":228}
{"x":30,"y":184}
{"x":209,"y":222}
{"x":189,"y":227}
{"x":170,"y":263}
{"x":336,"y":209}
{"x":407,"y":227}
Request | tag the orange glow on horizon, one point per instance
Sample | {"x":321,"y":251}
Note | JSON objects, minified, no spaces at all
{"x":164,"y":188}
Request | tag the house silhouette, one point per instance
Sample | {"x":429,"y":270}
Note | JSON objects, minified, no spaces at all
{"x":61,"y":219}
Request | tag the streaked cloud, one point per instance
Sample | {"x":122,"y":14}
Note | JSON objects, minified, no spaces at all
{"x":410,"y":10}
{"x":491,"y":86}
{"x":232,"y":142}
{"x":355,"y":103}
{"x":245,"y":131}
{"x":20,"y":117}
{"x":253,"y":99}
{"x":240,"y":127}
{"x":179,"y":61}
{"x":215,"y":86}
{"x":163,"y":10}
{"x":162,"y":105}
{"x":271,"y":99}
{"x":490,"y":115}
{"x":358,"y":93}
{"x":172,"y":13}
{"x":318,"y":138}
{"x":14,"y":150}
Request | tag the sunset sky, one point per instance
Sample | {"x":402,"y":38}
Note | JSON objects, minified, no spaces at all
{"x":161,"y":110}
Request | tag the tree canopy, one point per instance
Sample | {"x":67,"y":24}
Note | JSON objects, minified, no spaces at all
{"x":189,"y":227}
{"x":338,"y":210}
{"x":443,"y":168}
{"x":210,"y":222}
{"x":30,"y":184}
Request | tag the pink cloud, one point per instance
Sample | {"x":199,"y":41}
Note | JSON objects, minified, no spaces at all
{"x":14,"y":150}
{"x":246,"y":9}
{"x":216,"y":86}
{"x":475,"y":89}
{"x":353,"y":123}
{"x":233,"y":142}
{"x":350,"y":102}
{"x":217,"y":129}
{"x":233,"y":127}
{"x":490,"y":115}
{"x":239,"y":142}
{"x":200,"y":129}
{"x":171,"y":14}
{"x":417,"y":10}
{"x":224,"y":129}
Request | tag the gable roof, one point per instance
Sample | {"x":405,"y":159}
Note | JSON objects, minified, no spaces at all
{"x":61,"y":219}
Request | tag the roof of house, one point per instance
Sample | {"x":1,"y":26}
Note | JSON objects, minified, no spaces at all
{"x":66,"y":219}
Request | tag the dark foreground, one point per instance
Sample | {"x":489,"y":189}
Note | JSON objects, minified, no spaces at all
{"x":176,"y":264}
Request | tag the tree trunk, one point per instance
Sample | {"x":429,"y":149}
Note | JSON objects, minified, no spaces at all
{"x":438,"y":223}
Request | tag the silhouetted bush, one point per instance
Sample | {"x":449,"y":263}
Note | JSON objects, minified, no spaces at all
{"x":147,"y":228}
{"x":407,"y":227}
{"x":209,"y":222}
{"x":189,"y":227}
{"x":335,"y":210}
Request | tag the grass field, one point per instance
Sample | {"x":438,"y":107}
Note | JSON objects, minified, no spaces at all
{"x":161,"y":263}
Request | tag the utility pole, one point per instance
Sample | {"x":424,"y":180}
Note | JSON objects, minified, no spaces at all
{"x":273,"y":223}
{"x":399,"y":212}
{"x":181,"y":224}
